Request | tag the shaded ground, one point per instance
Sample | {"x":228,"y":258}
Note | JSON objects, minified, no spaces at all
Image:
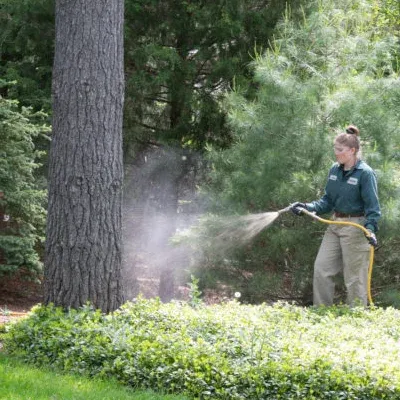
{"x":17,"y":296}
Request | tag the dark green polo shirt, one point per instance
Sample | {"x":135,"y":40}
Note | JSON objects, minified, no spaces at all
{"x":351,"y":192}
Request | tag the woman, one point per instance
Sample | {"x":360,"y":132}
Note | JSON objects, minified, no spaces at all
{"x":351,"y":192}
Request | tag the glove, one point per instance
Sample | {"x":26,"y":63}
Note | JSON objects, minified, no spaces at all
{"x":372,"y":240}
{"x":297,"y":208}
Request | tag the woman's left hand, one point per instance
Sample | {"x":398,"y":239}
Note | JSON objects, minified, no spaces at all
{"x":373,"y":241}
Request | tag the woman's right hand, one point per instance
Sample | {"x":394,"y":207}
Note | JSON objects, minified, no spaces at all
{"x":297,"y":208}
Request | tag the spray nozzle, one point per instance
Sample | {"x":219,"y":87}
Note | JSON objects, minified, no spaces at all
{"x":284,"y":210}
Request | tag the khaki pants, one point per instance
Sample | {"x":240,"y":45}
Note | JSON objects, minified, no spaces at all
{"x":343,"y":249}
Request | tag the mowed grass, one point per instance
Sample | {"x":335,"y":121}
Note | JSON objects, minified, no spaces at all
{"x":19,"y":381}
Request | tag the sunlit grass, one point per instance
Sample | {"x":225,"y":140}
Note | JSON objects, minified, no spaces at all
{"x":19,"y":381}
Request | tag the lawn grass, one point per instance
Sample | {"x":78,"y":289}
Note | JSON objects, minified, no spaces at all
{"x":19,"y":381}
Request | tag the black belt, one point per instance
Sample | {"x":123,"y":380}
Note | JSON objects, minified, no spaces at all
{"x":338,"y":214}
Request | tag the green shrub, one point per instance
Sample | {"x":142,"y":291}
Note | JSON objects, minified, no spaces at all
{"x":227,"y":351}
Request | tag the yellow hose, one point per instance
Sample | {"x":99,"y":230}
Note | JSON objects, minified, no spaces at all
{"x":367,"y":233}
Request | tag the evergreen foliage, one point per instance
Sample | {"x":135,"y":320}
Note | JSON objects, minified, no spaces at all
{"x":22,"y":202}
{"x":26,"y":51}
{"x":332,"y":69}
{"x":181,"y":57}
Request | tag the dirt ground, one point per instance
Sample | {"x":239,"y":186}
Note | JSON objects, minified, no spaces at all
{"x":17,"y":296}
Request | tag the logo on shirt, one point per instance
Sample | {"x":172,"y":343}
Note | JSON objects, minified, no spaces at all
{"x":333,"y":177}
{"x":352,"y":181}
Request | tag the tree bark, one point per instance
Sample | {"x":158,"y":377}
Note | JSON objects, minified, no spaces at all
{"x":83,"y":240}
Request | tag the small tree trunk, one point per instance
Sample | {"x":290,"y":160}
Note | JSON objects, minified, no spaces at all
{"x":166,"y":290}
{"x":83,"y":242}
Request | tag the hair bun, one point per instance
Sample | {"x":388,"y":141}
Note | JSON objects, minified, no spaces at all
{"x":352,"y":130}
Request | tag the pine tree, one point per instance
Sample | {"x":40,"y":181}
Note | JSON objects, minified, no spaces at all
{"x":22,"y":201}
{"x":26,"y":52}
{"x":330,"y":70}
{"x":181,"y":57}
{"x":84,"y":234}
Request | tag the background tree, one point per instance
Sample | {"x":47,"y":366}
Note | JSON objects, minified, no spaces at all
{"x":83,"y":238}
{"x":330,"y":70}
{"x":26,"y":51}
{"x":181,"y":58}
{"x":26,"y":57}
{"x":22,"y":202}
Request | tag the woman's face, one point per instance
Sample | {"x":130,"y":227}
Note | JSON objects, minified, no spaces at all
{"x":344,"y":154}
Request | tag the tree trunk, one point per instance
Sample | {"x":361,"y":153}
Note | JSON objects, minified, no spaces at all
{"x":83,"y":241}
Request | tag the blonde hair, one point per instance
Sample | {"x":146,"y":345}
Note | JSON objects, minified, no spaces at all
{"x":350,"y":138}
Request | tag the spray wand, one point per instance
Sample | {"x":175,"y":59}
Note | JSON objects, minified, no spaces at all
{"x":366,"y":232}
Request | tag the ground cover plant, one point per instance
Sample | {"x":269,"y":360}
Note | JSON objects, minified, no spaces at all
{"x":23,"y":382}
{"x":225,"y":351}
